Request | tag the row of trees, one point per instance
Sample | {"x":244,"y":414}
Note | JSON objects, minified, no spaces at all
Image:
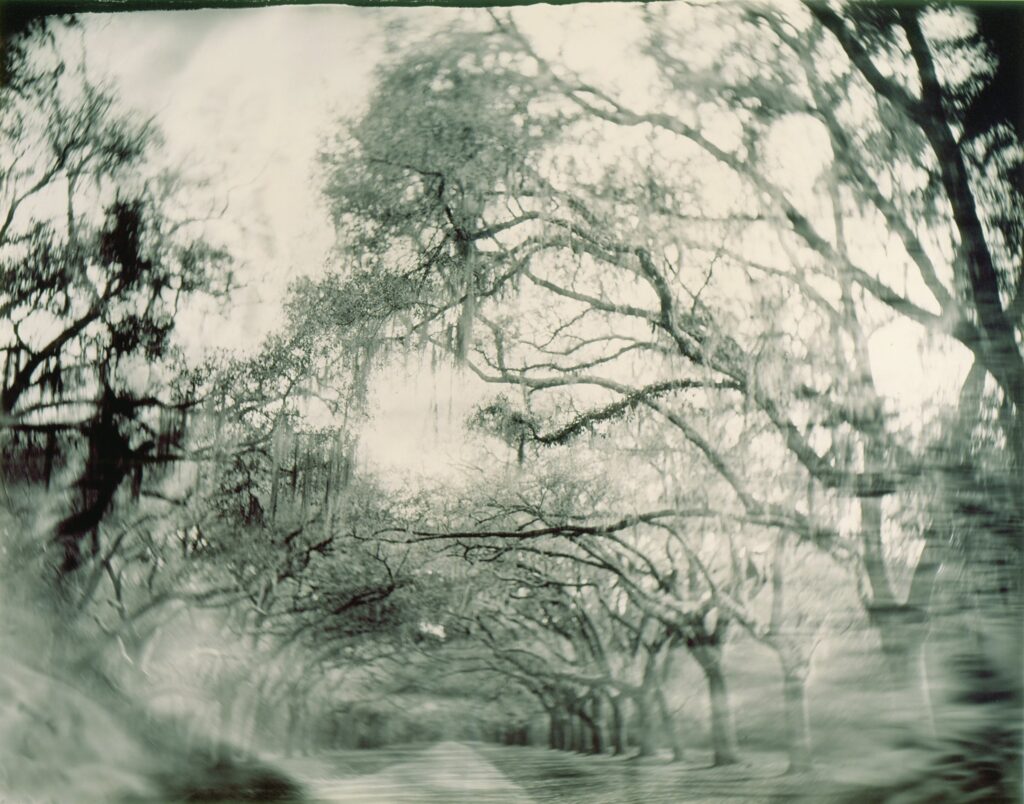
{"x":617,"y":292}
{"x":684,"y":332}
{"x":189,"y":530}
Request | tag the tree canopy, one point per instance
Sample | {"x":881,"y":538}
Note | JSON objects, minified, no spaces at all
{"x":746,"y":328}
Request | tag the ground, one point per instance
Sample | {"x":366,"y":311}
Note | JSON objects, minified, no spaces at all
{"x":457,"y":773}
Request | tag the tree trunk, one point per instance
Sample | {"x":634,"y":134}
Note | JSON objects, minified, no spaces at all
{"x":902,"y":633}
{"x":307,"y":482}
{"x":723,"y":728}
{"x":275,"y":472}
{"x":586,"y":730}
{"x":798,"y":729}
{"x":564,"y":732}
{"x":597,"y":725}
{"x":304,"y":733}
{"x":257,"y":718}
{"x":245,"y":723}
{"x":294,"y":473}
{"x":645,"y":725}
{"x":618,"y":726}
{"x":646,"y":707}
{"x":291,"y":728}
{"x":554,"y":730}
{"x":579,"y":741}
{"x":672,"y":729}
{"x":902,"y":627}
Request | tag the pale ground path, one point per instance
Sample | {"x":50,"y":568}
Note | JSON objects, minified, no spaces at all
{"x":447,"y":772}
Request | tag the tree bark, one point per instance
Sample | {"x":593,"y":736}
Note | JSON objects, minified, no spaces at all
{"x":275,"y":472}
{"x":618,"y":727}
{"x":554,"y":730}
{"x":646,"y":707}
{"x":645,"y":724}
{"x":597,"y":726}
{"x":672,"y":729}
{"x":902,"y":628}
{"x":798,"y":728}
{"x":579,"y":741}
{"x":723,"y":728}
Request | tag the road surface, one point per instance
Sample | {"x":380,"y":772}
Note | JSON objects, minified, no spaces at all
{"x":446,"y":773}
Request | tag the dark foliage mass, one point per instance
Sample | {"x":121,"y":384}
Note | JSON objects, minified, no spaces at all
{"x":91,"y":299}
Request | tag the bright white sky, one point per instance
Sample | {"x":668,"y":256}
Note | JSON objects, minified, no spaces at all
{"x":244,"y":98}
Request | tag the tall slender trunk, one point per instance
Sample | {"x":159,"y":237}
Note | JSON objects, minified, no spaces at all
{"x":798,"y":728}
{"x":671,"y":726}
{"x":646,"y":707}
{"x":291,"y":728}
{"x":275,"y":473}
{"x":723,"y":728}
{"x":564,"y":730}
{"x":307,"y":481}
{"x":554,"y":730}
{"x":672,"y":729}
{"x":597,"y":725}
{"x":294,"y":473}
{"x":618,"y":726}
{"x":795,"y":663}
{"x":301,"y":736}
{"x":579,"y":740}
{"x":254,"y":716}
{"x":645,"y":724}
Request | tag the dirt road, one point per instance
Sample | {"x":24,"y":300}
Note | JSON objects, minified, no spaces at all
{"x":460,"y":773}
{"x":446,"y":773}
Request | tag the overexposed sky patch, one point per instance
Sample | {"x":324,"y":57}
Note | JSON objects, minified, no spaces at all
{"x":245,"y":97}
